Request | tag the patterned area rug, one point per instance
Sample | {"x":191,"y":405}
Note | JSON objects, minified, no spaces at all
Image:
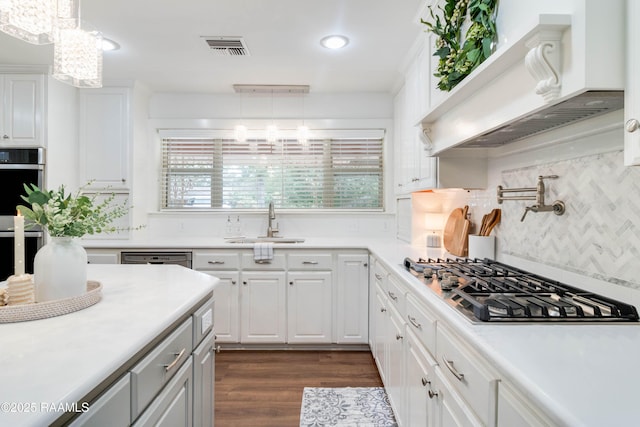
{"x":346,"y":407}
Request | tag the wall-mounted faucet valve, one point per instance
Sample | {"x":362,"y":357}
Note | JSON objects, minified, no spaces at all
{"x":556,"y":207}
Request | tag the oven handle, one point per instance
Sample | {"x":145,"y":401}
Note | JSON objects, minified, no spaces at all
{"x":11,"y":234}
{"x":21,"y":166}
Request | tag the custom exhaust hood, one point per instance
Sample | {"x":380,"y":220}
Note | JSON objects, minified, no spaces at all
{"x":548,"y":74}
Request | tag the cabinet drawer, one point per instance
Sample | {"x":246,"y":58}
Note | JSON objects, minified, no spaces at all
{"x":465,"y":370}
{"x":310,"y":261}
{"x":112,"y":409}
{"x":396,"y":294}
{"x":279,"y":262}
{"x":422,"y":322}
{"x":152,"y":373}
{"x":202,"y":321}
{"x":215,"y":260}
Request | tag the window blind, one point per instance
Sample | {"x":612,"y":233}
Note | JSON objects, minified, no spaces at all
{"x":220,"y":173}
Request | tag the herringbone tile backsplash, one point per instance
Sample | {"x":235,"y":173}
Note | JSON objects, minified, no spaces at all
{"x":598,"y":236}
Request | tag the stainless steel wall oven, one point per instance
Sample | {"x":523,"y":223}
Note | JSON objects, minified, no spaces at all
{"x":18,"y":166}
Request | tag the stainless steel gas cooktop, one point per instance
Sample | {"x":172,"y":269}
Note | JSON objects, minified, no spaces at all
{"x":489,"y":291}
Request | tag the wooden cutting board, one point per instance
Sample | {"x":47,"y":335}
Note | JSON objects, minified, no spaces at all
{"x":461,"y":239}
{"x":449,"y":233}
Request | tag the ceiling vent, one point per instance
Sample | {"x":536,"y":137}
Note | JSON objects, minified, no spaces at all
{"x":227,"y":46}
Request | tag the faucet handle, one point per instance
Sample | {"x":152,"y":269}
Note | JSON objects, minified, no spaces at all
{"x":526,"y":211}
{"x":541,"y":177}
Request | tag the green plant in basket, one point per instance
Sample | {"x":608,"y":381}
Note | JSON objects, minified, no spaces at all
{"x":70,"y":215}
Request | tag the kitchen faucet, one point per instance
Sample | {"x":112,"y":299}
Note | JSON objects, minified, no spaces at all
{"x":556,"y":207}
{"x":272,"y":215}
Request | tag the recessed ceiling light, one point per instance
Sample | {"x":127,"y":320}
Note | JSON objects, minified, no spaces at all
{"x":334,"y":42}
{"x":108,"y":44}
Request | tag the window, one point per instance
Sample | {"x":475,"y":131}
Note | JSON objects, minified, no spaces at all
{"x":339,"y":170}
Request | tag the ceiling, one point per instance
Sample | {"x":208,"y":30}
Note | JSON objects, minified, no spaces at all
{"x":162,"y":45}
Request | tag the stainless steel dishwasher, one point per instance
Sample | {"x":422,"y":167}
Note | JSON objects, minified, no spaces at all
{"x":180,"y":258}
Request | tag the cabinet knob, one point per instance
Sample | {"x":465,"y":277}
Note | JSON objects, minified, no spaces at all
{"x":124,"y":180}
{"x":5,"y":136}
{"x":424,"y":381}
{"x":233,"y":282}
{"x":383,"y":310}
{"x":218,"y":348}
{"x":244,"y":282}
{"x":398,"y":337}
{"x":432,"y":394}
{"x":632,"y":125}
{"x":290,"y":283}
{"x":365,"y":265}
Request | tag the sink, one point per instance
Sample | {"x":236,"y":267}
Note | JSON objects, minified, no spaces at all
{"x":263,"y":240}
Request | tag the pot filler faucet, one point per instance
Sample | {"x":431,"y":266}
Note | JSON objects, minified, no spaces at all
{"x":556,"y":207}
{"x":272,"y":215}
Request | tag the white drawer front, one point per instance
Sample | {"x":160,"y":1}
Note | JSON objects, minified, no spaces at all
{"x":397,"y":295}
{"x":279,"y":262}
{"x":465,"y":370}
{"x":150,"y":374}
{"x":422,"y":322}
{"x":310,"y":261}
{"x":215,"y":260}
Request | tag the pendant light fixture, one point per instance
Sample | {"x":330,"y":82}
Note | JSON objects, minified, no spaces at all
{"x":32,"y":21}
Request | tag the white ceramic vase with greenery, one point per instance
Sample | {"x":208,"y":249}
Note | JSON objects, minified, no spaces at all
{"x":60,"y":266}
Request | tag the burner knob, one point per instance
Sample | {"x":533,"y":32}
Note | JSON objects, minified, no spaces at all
{"x":445,"y":284}
{"x":428,"y":272}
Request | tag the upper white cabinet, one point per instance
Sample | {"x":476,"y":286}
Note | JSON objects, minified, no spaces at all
{"x":105,"y":134}
{"x":632,"y":89}
{"x":22,"y":110}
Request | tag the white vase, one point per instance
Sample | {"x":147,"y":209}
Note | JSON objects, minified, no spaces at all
{"x":60,"y":269}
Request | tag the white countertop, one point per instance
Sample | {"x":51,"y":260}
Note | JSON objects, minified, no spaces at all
{"x":59,"y":360}
{"x":579,"y":374}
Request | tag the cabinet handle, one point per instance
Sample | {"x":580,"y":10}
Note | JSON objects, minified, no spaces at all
{"x":425,"y":382}
{"x":449,"y":365}
{"x":413,"y":321}
{"x":383,"y":310}
{"x":399,"y":337}
{"x":215,"y":262}
{"x":632,"y":125}
{"x":379,"y":277}
{"x":432,"y":394}
{"x":218,"y":348}
{"x":392,"y":295}
{"x":310,"y":262}
{"x":178,"y":356}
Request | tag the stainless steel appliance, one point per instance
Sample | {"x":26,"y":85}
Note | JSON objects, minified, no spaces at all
{"x":180,"y":258}
{"x":490,"y":291}
{"x":18,"y":166}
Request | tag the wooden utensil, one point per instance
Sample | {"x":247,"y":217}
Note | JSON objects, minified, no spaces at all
{"x":496,"y":215}
{"x":448,"y":236}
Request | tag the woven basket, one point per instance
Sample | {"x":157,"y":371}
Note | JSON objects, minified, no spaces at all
{"x":44,"y":310}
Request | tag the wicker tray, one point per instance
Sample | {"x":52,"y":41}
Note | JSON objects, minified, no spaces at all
{"x":44,"y":310}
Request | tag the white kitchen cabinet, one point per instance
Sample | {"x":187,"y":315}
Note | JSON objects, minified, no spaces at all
{"x":514,"y":409}
{"x":105,"y":134}
{"x":451,"y":409}
{"x":309,"y":307}
{"x":380,"y":319}
{"x":225,"y":265}
{"x":112,"y":409}
{"x":103,"y":256}
{"x":419,"y":380}
{"x":263,"y":309}
{"x":352,"y":315}
{"x":632,"y":87}
{"x":395,"y":384}
{"x":22,"y":115}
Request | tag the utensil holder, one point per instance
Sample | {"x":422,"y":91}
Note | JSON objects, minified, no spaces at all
{"x":482,"y":246}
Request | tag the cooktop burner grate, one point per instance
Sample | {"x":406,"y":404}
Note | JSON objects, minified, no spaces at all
{"x":490,"y":291}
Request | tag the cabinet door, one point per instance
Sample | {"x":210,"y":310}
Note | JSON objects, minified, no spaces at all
{"x":263,"y":307}
{"x":395,"y":375}
{"x":94,"y":257}
{"x":380,"y":317}
{"x":420,"y":376}
{"x":226,"y":316}
{"x":173,"y":407}
{"x":352,"y":298}
{"x":23,"y":109}
{"x":632,"y":88}
{"x":104,"y":137}
{"x":309,"y":307}
{"x":451,"y":409}
{"x":203,"y":382}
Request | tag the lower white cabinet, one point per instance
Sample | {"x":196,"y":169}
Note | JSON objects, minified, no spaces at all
{"x":227,"y":312}
{"x":352,"y":295}
{"x":263,"y":307}
{"x":451,"y":409}
{"x":103,"y":256}
{"x":309,"y":307}
{"x":419,"y":382}
{"x":395,"y":384}
{"x":379,"y":318}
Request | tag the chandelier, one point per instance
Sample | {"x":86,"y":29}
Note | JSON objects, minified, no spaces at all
{"x":77,"y":51}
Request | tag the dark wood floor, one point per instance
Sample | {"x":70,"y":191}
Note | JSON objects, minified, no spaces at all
{"x":264,"y":388}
